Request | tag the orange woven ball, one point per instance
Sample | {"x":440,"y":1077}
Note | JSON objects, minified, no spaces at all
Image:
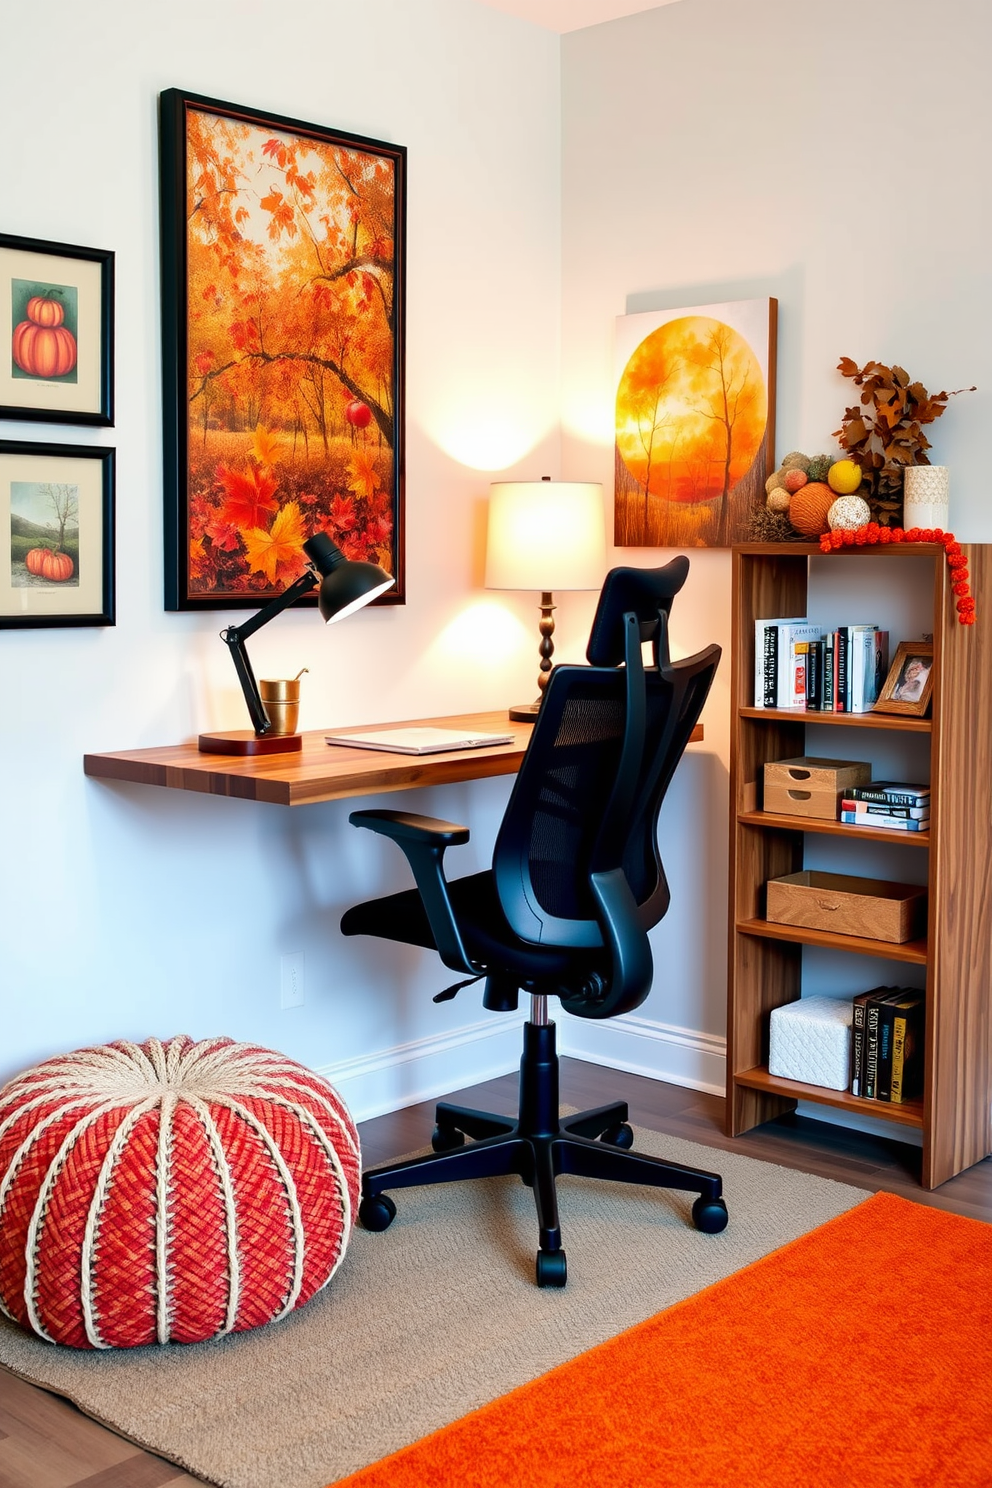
{"x":170,"y":1192}
{"x":808,"y":508}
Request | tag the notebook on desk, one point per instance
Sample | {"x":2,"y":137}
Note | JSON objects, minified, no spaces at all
{"x":418,"y":740}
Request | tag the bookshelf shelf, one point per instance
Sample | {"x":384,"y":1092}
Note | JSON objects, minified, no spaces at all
{"x":767,"y":959}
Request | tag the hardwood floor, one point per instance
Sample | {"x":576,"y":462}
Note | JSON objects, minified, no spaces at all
{"x":47,"y":1443}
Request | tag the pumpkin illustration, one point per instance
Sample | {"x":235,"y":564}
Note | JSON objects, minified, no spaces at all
{"x":47,"y":564}
{"x":41,"y":345}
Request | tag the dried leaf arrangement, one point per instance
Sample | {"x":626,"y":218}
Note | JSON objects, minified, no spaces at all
{"x":873,"y":532}
{"x":884,"y":433}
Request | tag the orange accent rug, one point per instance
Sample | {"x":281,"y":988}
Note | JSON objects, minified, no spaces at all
{"x":859,"y":1353}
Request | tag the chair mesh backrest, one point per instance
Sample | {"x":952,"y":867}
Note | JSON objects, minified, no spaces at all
{"x":556,"y":830}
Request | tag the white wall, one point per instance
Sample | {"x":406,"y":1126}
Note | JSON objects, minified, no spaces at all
{"x":835,"y":156}
{"x":128,"y":911}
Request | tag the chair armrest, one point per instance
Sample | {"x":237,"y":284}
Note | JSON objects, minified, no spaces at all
{"x":423,"y":840}
{"x":631,"y":963}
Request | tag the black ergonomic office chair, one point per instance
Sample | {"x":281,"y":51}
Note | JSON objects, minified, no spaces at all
{"x":576,"y":884}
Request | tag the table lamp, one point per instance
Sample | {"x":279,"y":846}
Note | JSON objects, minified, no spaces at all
{"x":345,"y":586}
{"x":545,"y":535}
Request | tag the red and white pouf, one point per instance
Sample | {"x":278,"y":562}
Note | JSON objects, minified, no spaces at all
{"x":170,"y":1192}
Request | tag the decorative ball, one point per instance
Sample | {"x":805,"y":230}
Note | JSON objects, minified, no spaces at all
{"x":795,"y":479}
{"x":796,"y":460}
{"x":818,"y":467}
{"x":170,"y":1192}
{"x":848,"y":513}
{"x":774,"y":482}
{"x":778,"y":500}
{"x":844,"y":477}
{"x":808,"y":508}
{"x":358,"y":414}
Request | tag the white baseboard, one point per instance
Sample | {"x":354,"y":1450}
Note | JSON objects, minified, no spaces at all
{"x":680,"y":1056}
{"x":426,"y":1069}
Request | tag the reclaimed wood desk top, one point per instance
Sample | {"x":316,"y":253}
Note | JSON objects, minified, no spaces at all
{"x":321,"y":771}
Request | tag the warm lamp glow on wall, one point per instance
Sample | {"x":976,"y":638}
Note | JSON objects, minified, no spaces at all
{"x":545,"y":535}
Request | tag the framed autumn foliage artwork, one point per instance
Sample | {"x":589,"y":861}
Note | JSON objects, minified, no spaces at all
{"x":695,"y":423}
{"x":57,"y":328}
{"x":283,"y":259}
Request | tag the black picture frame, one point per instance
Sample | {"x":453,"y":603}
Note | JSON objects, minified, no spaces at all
{"x":278,"y":236}
{"x":71,"y":291}
{"x":42,"y":488}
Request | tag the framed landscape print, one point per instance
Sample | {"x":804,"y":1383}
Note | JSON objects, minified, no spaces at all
{"x":56,"y":535}
{"x":695,"y":423}
{"x":283,"y":319}
{"x":56,"y":331}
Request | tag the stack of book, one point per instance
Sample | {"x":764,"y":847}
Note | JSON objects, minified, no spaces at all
{"x":799,"y":664}
{"x":888,"y":804}
{"x":887,"y":1045}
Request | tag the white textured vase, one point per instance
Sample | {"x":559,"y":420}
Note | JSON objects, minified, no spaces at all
{"x":924,"y":497}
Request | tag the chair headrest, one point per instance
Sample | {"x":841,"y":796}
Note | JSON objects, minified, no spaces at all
{"x":645,"y":592}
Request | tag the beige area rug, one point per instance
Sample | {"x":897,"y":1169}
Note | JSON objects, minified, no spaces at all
{"x":429,"y":1320}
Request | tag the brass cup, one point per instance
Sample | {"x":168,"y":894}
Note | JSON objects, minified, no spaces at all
{"x":282,"y":704}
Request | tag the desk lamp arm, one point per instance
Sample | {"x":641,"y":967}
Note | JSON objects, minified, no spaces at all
{"x":235,"y":636}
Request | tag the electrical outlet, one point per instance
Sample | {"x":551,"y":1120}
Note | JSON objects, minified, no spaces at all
{"x":292,"y":980}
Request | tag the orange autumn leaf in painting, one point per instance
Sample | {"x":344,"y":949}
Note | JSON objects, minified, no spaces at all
{"x":249,"y":499}
{"x":265,"y":447}
{"x":281,"y":545}
{"x":691,"y":412}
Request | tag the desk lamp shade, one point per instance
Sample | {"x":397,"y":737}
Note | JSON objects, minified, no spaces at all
{"x":545,"y":535}
{"x":344,"y":588}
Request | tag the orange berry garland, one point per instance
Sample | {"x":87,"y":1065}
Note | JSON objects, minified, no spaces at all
{"x":873,"y":533}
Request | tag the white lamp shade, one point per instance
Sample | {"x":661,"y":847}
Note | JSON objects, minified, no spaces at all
{"x":545,"y":535}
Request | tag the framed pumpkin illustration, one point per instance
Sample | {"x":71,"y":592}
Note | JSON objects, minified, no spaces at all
{"x":56,"y":535}
{"x":56,"y":331}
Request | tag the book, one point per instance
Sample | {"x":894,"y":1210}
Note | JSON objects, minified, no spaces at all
{"x":889,"y":823}
{"x":858,"y":1030}
{"x":869,"y":809}
{"x":827,"y":691}
{"x":886,"y":1022}
{"x":814,"y":675}
{"x":869,"y":666}
{"x":791,"y":684}
{"x":891,"y":792}
{"x":907,"y":1049}
{"x":873,"y":1015}
{"x":417,"y":740}
{"x":841,"y":693}
{"x":766,"y":658}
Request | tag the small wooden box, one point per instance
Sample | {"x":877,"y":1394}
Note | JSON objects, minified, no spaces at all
{"x":836,"y":902}
{"x":811,"y":787}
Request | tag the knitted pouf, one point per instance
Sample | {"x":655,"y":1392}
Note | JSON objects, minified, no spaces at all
{"x":170,"y":1192}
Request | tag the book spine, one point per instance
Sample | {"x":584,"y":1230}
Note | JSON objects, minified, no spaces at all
{"x":798,"y":670}
{"x":814,"y":677}
{"x":828,"y":673}
{"x":871,"y":1051}
{"x":890,"y":823}
{"x":898,"y":1058}
{"x":877,"y":808}
{"x":842,"y":699}
{"x":890,"y":795}
{"x":771,"y":665}
{"x":886,"y":1019}
{"x":784,"y":687}
{"x":759,"y":663}
{"x":863,"y":674}
{"x":907,"y":1052}
{"x":858,"y":1045}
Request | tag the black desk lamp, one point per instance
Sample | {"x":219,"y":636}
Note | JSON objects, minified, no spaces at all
{"x":345,"y":586}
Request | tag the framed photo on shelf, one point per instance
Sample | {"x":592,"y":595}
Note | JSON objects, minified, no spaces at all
{"x":56,"y":535}
{"x":909,"y":684}
{"x":57,"y":328}
{"x":283,"y":284}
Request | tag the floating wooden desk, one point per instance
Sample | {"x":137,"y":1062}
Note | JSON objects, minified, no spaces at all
{"x":320,"y":771}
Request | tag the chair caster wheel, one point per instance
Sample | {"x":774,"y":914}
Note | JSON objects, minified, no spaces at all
{"x":376,"y":1213}
{"x":710,"y":1215}
{"x":551,"y":1268}
{"x":446,"y":1139}
{"x":620,"y":1135}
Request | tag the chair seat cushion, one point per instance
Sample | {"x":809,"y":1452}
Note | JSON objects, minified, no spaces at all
{"x":170,"y":1192}
{"x":488,"y":936}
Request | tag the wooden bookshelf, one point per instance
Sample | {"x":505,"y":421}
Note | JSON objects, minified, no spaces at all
{"x":766,"y":959}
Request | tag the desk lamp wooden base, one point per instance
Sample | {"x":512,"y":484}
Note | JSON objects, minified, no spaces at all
{"x":246,"y":741}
